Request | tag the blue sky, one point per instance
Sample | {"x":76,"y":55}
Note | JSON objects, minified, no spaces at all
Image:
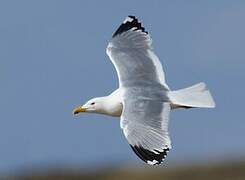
{"x":52,"y":58}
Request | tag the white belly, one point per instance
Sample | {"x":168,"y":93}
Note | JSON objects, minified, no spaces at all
{"x":116,"y":110}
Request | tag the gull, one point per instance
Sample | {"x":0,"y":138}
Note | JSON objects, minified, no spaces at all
{"x":143,"y":100}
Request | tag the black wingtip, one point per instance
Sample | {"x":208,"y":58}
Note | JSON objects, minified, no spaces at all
{"x":150,"y":157}
{"x":129,"y":23}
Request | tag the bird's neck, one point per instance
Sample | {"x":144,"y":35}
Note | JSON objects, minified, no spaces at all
{"x":112,"y":105}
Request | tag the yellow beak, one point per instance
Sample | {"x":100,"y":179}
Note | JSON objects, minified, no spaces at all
{"x":79,"y":109}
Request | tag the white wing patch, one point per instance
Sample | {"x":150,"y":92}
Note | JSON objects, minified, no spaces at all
{"x":128,"y":19}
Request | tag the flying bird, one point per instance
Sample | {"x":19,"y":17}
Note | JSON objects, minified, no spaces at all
{"x":143,"y":100}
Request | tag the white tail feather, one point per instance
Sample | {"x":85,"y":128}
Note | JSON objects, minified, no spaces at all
{"x":194,"y":96}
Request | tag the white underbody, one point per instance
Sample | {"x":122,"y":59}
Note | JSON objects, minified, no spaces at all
{"x":195,"y":96}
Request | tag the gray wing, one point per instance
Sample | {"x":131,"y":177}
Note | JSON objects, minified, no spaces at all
{"x":145,"y":125}
{"x":131,"y":53}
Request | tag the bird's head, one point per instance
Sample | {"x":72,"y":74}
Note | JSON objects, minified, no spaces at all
{"x":94,"y":105}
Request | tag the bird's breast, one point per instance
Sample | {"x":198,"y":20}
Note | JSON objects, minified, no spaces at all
{"x":115,"y":109}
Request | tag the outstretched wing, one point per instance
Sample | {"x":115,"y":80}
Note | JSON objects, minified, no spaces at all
{"x":131,"y":53}
{"x":145,"y":125}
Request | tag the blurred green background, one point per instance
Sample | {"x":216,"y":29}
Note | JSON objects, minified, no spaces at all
{"x":220,"y":171}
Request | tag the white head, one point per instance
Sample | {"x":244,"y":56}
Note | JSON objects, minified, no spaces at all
{"x":94,"y":105}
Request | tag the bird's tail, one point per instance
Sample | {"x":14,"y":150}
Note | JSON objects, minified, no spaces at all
{"x":194,"y":96}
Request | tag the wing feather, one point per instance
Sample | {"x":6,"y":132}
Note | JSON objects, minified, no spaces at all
{"x":131,"y":53}
{"x":146,"y":129}
{"x":145,"y":115}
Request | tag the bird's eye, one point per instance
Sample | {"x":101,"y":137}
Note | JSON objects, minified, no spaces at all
{"x":92,"y":103}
